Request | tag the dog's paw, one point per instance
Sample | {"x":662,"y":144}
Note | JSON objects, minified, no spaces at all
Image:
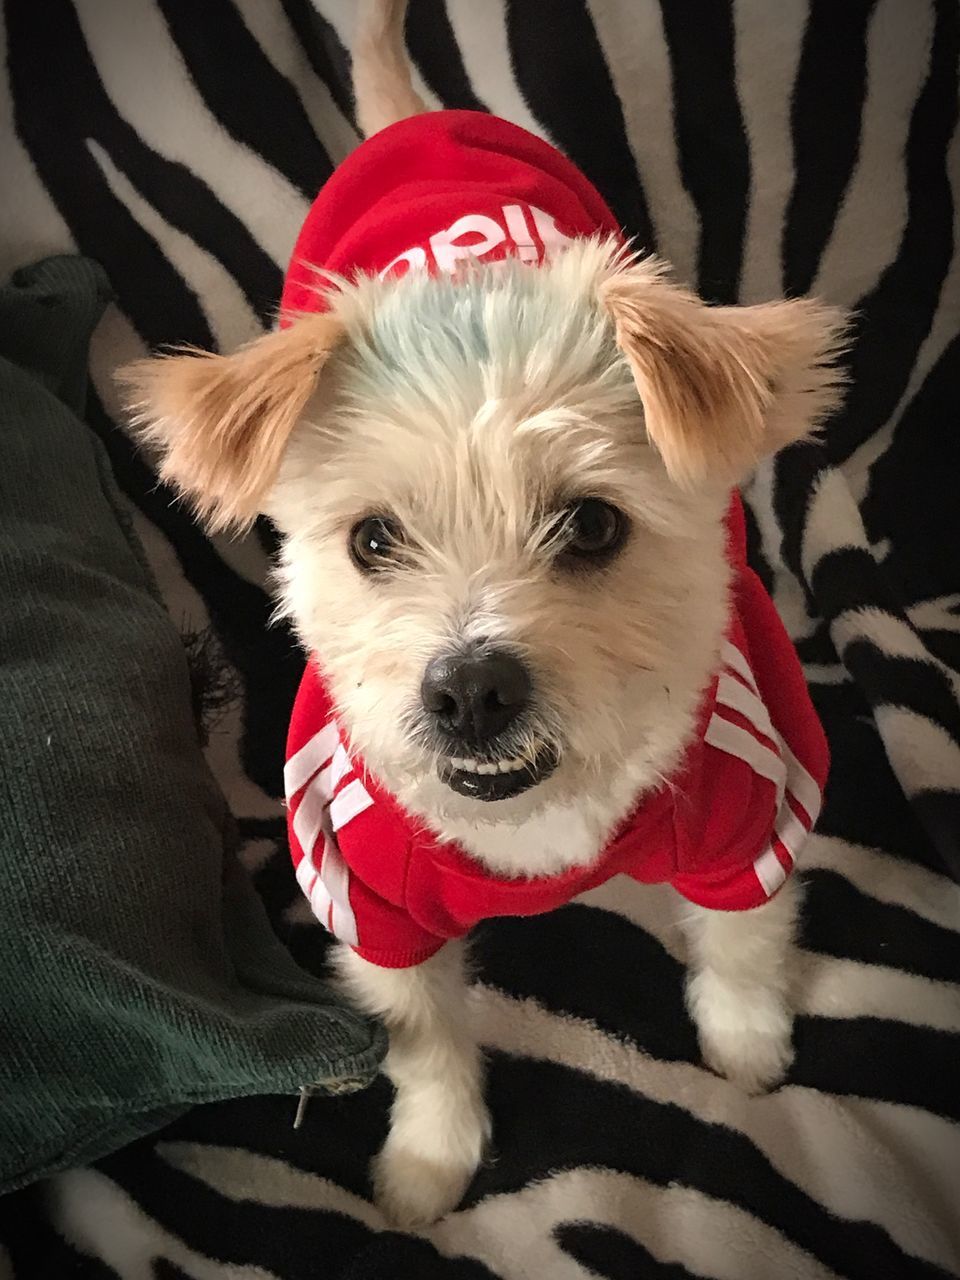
{"x":756,"y":1061}
{"x":745,"y":1034}
{"x":424,"y":1168}
{"x":414,"y":1189}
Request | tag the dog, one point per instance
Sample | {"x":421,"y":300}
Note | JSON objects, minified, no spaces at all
{"x":502,"y":450}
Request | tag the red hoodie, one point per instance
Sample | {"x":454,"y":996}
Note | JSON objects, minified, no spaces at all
{"x":726,"y":831}
{"x":435,"y":189}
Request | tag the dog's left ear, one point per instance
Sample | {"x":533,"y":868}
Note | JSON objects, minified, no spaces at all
{"x":722,"y":387}
{"x":221,"y":423}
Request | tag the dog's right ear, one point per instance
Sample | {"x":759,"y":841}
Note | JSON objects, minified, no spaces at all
{"x":722,"y":387}
{"x":221,"y":423}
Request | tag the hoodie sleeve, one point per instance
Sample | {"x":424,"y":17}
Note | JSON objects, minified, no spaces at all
{"x":350,"y":848}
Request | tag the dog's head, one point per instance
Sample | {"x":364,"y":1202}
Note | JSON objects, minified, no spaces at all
{"x":502,"y":500}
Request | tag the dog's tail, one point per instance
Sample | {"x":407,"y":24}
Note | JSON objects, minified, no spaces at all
{"x":382,"y":83}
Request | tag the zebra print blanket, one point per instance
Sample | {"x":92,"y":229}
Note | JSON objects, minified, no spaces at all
{"x":763,"y":149}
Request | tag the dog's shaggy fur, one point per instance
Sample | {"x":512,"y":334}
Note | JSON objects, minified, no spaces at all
{"x":472,"y":410}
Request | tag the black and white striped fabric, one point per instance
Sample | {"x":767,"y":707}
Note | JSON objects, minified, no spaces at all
{"x":763,"y":148}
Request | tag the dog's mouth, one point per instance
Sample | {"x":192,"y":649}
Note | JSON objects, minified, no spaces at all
{"x":500,"y":778}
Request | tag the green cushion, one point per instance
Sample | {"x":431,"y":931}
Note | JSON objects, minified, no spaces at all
{"x":138,"y":971}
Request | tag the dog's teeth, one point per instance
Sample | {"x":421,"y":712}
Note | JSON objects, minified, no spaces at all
{"x":513,"y":765}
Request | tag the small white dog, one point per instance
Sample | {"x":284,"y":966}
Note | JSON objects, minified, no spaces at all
{"x":501,"y":451}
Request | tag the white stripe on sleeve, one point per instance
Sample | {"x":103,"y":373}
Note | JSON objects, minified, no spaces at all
{"x":737,"y":742}
{"x":349,"y":803}
{"x":736,"y":661}
{"x":803,"y":787}
{"x":306,"y":874}
{"x":308,"y":818}
{"x":336,"y":877}
{"x":770,"y":872}
{"x":314,"y":753}
{"x":340,"y":766}
{"x":320,"y":903}
{"x":731,"y":693}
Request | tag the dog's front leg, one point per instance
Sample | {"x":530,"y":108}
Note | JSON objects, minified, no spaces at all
{"x":439,"y":1123}
{"x":738,"y":988}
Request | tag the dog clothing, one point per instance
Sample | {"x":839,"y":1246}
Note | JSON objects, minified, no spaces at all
{"x":726,"y":830}
{"x":429,"y":192}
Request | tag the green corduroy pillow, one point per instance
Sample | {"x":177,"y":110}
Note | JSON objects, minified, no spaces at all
{"x":138,"y":971}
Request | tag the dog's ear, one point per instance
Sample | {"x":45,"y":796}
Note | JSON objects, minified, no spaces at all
{"x":221,"y":423}
{"x":722,"y":387}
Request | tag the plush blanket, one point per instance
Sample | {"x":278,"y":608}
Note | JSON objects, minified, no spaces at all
{"x":764,"y":149}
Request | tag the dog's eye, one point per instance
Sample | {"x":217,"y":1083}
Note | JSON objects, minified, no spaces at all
{"x":373,"y":543}
{"x":593,"y":530}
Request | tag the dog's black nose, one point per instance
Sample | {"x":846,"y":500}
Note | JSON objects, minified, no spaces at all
{"x":475,"y":695}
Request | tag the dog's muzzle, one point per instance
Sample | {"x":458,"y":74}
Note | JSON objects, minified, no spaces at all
{"x":475,"y":700}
